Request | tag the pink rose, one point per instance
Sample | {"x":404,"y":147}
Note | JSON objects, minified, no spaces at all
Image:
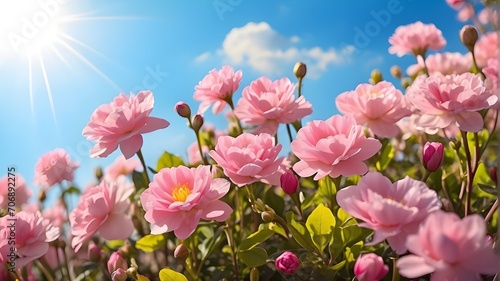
{"x":32,"y":236}
{"x":56,"y":214}
{"x":449,"y":248}
{"x":392,"y":210}
{"x":452,"y":99}
{"x":217,"y":88}
{"x":370,"y":267}
{"x":335,"y":147}
{"x":443,"y":63}
{"x":486,"y":48}
{"x":122,"y":166}
{"x":267,"y":104}
{"x":287,"y":263}
{"x":54,"y":167}
{"x":102,"y":209}
{"x":379,"y":107}
{"x":416,"y":39}
{"x":178,"y":198}
{"x":289,"y":182}
{"x":432,"y":155}
{"x":491,"y":73}
{"x":122,"y":123}
{"x":249,"y":158}
{"x":15,"y":186}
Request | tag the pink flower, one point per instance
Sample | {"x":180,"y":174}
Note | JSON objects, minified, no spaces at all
{"x":13,"y":188}
{"x":392,"y":210}
{"x":432,"y":156}
{"x":267,"y":104}
{"x":217,"y":88}
{"x":249,"y":158}
{"x":52,"y":256}
{"x":491,"y":73}
{"x":194,"y":156}
{"x":465,"y":12}
{"x":178,"y":198}
{"x":287,"y":263}
{"x":122,"y":166}
{"x":456,"y":4}
{"x":333,"y":147}
{"x":122,"y":123}
{"x":102,"y":209}
{"x":450,"y":248}
{"x":370,"y":267}
{"x":488,"y":16}
{"x":451,"y":99}
{"x":32,"y":235}
{"x":379,"y":107}
{"x":416,"y":38}
{"x":54,"y":167}
{"x":56,"y":214}
{"x":486,"y":48}
{"x":443,"y":63}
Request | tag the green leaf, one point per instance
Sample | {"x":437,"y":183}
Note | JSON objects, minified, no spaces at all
{"x":254,"y":257}
{"x":488,"y":189}
{"x":150,"y":243}
{"x":141,"y":277}
{"x":386,"y":157}
{"x":72,"y":190}
{"x":320,"y":223}
{"x":168,"y":160}
{"x":300,"y":233}
{"x":170,"y":275}
{"x":139,"y":180}
{"x":114,"y":244}
{"x":274,"y":201}
{"x":255,"y":239}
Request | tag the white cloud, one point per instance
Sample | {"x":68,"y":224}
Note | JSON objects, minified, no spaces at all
{"x":203,"y":57}
{"x":265,"y":50}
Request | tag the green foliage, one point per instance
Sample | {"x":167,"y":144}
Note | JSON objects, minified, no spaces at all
{"x":386,"y":155}
{"x":170,"y":275}
{"x":150,"y":243}
{"x":300,"y":233}
{"x":168,"y":160}
{"x":255,"y":239}
{"x":253,"y":257}
{"x":320,"y":224}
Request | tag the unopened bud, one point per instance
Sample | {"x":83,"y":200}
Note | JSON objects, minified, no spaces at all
{"x":493,"y":174}
{"x":396,"y":71}
{"x":181,"y":252}
{"x":98,"y":173}
{"x":41,"y":195}
{"x":289,"y":182}
{"x":432,"y":156}
{"x":197,"y":122}
{"x":468,"y":36}
{"x":94,"y":252}
{"x":267,"y":216}
{"x":115,"y":262}
{"x":300,"y":70}
{"x":254,"y":274}
{"x":376,"y":76}
{"x":183,"y":109}
{"x":405,"y":82}
{"x":119,"y":275}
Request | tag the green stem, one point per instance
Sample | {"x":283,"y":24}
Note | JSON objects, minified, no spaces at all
{"x":475,"y":67}
{"x":145,"y":172}
{"x":299,"y":87}
{"x":470,"y":175}
{"x":231,"y":105}
{"x":289,"y":131}
{"x":197,"y":134}
{"x":395,"y":272}
{"x":425,"y":176}
{"x":234,"y":258}
{"x":42,"y":265}
{"x":426,"y":70}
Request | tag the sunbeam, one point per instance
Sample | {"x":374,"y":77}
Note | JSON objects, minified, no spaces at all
{"x":47,"y":86}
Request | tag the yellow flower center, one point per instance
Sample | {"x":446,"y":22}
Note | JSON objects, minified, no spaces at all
{"x":181,"y":192}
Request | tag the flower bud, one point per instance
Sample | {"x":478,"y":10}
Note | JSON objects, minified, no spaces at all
{"x":370,"y":267}
{"x":197,"y":122}
{"x":94,"y":252}
{"x":267,"y":216}
{"x":181,"y":252}
{"x":376,"y":76}
{"x":183,"y":109}
{"x":289,"y":182}
{"x":254,"y":274}
{"x":300,"y":70}
{"x":432,"y":155}
{"x":119,"y":275}
{"x":405,"y":82}
{"x":396,"y":71}
{"x":493,"y":173}
{"x":468,"y":36}
{"x":116,"y":261}
{"x":41,"y":195}
{"x":287,"y":263}
{"x":98,"y":173}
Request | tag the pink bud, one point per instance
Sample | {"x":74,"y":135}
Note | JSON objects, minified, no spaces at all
{"x":370,"y":267}
{"x":197,"y":121}
{"x":287,"y":263}
{"x":94,"y":252}
{"x":119,"y":275}
{"x":432,"y":155}
{"x":493,"y":173}
{"x":289,"y":182}
{"x":116,"y":261}
{"x":183,"y":109}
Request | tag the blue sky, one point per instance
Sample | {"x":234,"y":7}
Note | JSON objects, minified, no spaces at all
{"x":168,"y":47}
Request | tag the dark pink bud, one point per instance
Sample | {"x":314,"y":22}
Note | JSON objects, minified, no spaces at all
{"x":119,"y":275}
{"x":287,"y":263}
{"x":94,"y":252}
{"x":432,"y":155}
{"x":197,"y":121}
{"x":183,"y":109}
{"x":493,"y":174}
{"x":289,"y":182}
{"x":370,"y":267}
